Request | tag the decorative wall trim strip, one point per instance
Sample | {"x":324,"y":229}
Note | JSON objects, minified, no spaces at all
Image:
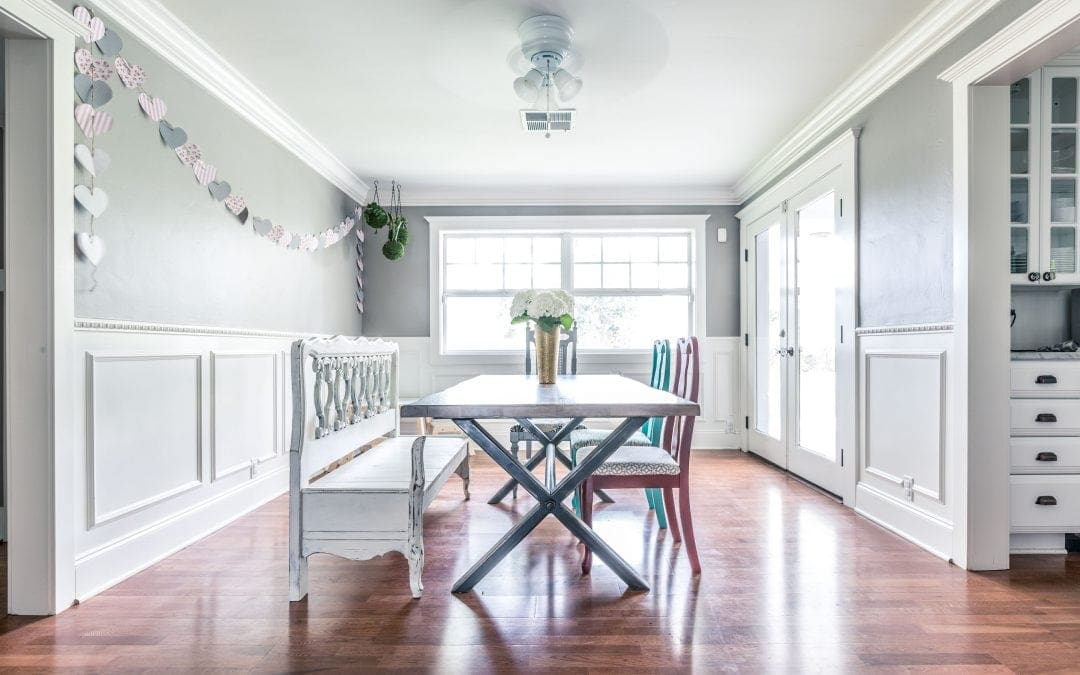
{"x":160,"y":30}
{"x":59,"y":16}
{"x":122,"y":326}
{"x":944,"y":327}
{"x":930,"y":31}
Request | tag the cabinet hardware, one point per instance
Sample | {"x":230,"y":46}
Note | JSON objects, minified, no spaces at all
{"x":1033,"y":276}
{"x":1046,"y":379}
{"x":1049,"y":276}
{"x":1046,"y":457}
{"x":1046,"y":500}
{"x":1046,"y":417}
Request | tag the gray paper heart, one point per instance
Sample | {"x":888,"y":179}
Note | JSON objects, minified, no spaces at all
{"x":294,"y":245}
{"x":110,"y":43}
{"x":219,"y":189}
{"x":174,"y":137}
{"x":360,"y":295}
{"x":99,"y":93}
{"x":262,"y":225}
{"x":82,"y":86}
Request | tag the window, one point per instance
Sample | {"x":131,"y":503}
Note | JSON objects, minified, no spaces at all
{"x":630,"y":285}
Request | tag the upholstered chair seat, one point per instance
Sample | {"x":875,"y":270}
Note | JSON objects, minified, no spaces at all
{"x":582,"y":437}
{"x":635,"y":460}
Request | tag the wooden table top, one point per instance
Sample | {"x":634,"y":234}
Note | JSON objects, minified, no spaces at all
{"x":514,"y":396}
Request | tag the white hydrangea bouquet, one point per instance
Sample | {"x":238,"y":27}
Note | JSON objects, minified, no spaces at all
{"x":549,"y":309}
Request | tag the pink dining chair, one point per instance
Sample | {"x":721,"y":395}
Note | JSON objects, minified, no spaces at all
{"x":665,"y":467}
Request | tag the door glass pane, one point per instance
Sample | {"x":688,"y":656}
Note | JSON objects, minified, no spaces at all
{"x":768,"y":331}
{"x":1063,"y":200}
{"x":1020,"y":102}
{"x":1063,"y":250}
{"x":1018,"y":155}
{"x":816,"y":281}
{"x":1018,"y":250}
{"x":1018,"y":209}
{"x":1063,"y":108}
{"x":1063,"y":151}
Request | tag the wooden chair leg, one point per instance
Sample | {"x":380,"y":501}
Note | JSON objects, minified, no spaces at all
{"x":669,"y":506}
{"x":586,"y":511}
{"x":688,"y":527}
{"x":656,"y":503}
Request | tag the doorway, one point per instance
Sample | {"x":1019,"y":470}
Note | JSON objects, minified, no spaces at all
{"x":799,"y":317}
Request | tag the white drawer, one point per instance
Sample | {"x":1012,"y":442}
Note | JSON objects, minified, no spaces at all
{"x":1034,"y":454}
{"x":1044,"y":417}
{"x":1045,"y":378}
{"x":1060,"y":511}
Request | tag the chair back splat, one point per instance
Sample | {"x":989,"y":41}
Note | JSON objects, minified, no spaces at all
{"x":660,"y":378}
{"x":568,"y":344}
{"x":679,"y":429}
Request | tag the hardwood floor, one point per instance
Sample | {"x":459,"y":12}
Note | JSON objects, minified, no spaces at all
{"x":792,"y":582}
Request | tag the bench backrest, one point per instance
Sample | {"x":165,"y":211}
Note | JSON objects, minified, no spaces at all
{"x":345,"y":395}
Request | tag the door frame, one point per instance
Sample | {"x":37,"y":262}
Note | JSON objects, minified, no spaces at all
{"x":980,"y":369}
{"x":39,"y":309}
{"x":841,"y":156}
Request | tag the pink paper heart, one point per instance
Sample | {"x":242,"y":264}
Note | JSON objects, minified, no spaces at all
{"x":96,"y":25}
{"x":309,"y":242}
{"x":92,"y":122}
{"x":131,"y":75}
{"x":189,"y":153}
{"x":83,"y":59}
{"x":154,"y":107}
{"x":204,"y":173}
{"x":235,"y":204}
{"x":95,"y":70}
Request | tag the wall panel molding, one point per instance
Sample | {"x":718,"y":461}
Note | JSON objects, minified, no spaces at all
{"x":244,"y":409}
{"x":905,"y":329}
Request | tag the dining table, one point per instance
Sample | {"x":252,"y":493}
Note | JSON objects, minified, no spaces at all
{"x":572,"y":399}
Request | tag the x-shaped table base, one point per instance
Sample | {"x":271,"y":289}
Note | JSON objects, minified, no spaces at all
{"x":532,"y":462}
{"x":549,"y":495}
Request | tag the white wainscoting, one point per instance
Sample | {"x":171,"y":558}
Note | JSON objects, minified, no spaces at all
{"x":181,"y":430}
{"x":906,"y":454}
{"x":719,"y":427}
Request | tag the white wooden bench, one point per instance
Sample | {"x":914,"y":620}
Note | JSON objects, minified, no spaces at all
{"x":358,"y":506}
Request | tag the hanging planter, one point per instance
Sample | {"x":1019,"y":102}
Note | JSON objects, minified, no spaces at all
{"x":375,"y":216}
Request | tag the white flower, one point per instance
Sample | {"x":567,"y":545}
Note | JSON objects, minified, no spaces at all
{"x":534,"y":304}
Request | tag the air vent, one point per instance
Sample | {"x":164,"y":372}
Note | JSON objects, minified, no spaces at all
{"x":543,"y":121}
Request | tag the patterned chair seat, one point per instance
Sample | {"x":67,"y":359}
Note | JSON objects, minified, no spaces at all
{"x":635,"y":460}
{"x":580,"y":438}
{"x":548,"y":426}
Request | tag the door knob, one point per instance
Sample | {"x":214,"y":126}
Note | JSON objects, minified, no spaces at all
{"x":1033,"y":276}
{"x":1049,"y":276}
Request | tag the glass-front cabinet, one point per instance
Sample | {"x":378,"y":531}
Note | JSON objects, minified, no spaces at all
{"x":1044,"y":119}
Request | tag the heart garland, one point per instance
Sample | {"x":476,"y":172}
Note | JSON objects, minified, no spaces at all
{"x":92,"y":87}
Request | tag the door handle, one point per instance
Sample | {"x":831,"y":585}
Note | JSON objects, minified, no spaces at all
{"x":1046,"y":379}
{"x":1033,"y":277}
{"x":1046,"y":417}
{"x":1049,"y":276}
{"x":1046,"y":500}
{"x":1046,"y":457}
{"x":790,"y":351}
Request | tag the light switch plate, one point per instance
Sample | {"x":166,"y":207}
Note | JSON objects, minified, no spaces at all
{"x":721,"y":235}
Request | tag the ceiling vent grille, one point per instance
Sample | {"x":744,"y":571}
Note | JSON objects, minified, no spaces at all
{"x":543,"y":121}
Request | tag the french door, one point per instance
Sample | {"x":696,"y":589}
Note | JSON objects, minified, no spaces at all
{"x":799,"y":276}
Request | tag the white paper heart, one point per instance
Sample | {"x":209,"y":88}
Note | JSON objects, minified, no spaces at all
{"x":309,"y":242}
{"x":130,"y":74}
{"x":154,"y":107}
{"x":94,"y":163}
{"x":92,"y":122}
{"x":91,"y":247}
{"x":94,"y":201}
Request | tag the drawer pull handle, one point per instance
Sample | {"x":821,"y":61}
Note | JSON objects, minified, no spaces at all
{"x":1046,"y":500}
{"x":1046,"y":417}
{"x":1045,"y":379}
{"x":1046,"y":457}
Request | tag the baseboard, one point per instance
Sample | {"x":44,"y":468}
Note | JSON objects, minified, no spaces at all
{"x":110,"y":564}
{"x":922,"y":529}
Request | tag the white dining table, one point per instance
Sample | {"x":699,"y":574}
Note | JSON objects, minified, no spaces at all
{"x":524,"y":399}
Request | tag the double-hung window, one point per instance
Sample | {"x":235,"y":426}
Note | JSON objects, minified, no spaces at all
{"x":631,"y":284}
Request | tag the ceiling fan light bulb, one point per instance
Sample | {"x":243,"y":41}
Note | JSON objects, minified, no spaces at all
{"x":526,"y":90}
{"x":567,"y":84}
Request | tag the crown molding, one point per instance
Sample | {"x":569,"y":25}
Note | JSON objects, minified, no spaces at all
{"x":935,"y":27}
{"x":55,"y":14}
{"x":164,"y":33}
{"x":720,"y":196}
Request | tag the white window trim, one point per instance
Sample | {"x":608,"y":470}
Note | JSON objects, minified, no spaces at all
{"x":438,"y":225}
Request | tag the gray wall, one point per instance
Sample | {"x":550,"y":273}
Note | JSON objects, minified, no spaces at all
{"x":175,"y":255}
{"x":905,"y":184}
{"x":397,"y":303}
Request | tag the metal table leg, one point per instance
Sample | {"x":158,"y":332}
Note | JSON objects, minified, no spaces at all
{"x":549,"y":500}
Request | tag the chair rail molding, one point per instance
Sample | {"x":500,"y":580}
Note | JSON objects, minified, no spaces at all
{"x":163,"y":32}
{"x":922,"y":38}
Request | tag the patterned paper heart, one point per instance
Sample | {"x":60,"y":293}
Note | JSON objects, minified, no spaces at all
{"x":92,"y":122}
{"x":309,"y":242}
{"x":130,"y":74}
{"x":96,"y":25}
{"x":94,"y":201}
{"x":154,"y":107}
{"x":189,"y":153}
{"x":174,"y":137}
{"x":95,"y":92}
{"x":329,"y":238}
{"x":94,"y":163}
{"x":110,"y":43}
{"x":99,"y":69}
{"x":91,"y":247}
{"x":277,"y":233}
{"x":204,"y":173}
{"x":235,"y":204}
{"x":219,"y":189}
{"x":262,"y":226}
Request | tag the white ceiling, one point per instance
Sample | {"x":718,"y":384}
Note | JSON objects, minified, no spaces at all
{"x":683,"y":96}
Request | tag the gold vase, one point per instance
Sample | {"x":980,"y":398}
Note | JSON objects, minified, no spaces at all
{"x":547,"y":354}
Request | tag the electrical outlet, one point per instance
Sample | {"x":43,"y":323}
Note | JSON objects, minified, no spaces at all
{"x":908,"y":483}
{"x":254,"y":468}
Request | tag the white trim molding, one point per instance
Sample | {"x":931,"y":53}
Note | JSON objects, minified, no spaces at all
{"x":58,"y":16}
{"x":163,"y":32}
{"x":931,"y":30}
{"x":125,"y":326}
{"x":585,"y":196}
{"x":943,"y":327}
